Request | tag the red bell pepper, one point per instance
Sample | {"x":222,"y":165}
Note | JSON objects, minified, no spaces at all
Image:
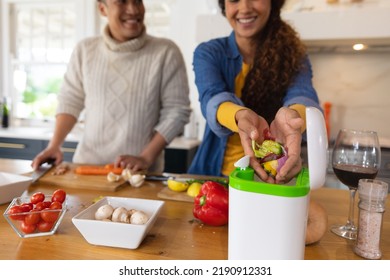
{"x":211,"y":205}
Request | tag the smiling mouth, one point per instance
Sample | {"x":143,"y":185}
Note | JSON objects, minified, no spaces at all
{"x":131,"y":21}
{"x":246,"y":20}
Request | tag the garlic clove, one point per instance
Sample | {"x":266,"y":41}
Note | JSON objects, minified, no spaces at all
{"x":137,"y":180}
{"x":112,"y":177}
{"x":126,"y":174}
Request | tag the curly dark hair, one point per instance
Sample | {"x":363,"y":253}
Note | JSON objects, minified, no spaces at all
{"x":277,"y":61}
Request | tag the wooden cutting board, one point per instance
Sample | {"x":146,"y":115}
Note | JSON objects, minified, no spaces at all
{"x":166,"y":193}
{"x":72,"y":180}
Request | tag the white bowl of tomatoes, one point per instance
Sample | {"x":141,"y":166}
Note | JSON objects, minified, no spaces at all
{"x":36,"y":215}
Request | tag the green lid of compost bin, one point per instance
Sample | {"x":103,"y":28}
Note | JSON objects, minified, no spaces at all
{"x":243,"y":179}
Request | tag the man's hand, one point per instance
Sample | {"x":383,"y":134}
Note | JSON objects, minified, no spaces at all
{"x":47,"y":154}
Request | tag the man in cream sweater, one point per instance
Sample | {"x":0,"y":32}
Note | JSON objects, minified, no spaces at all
{"x":133,"y":89}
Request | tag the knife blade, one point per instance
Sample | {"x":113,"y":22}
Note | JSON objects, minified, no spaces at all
{"x":42,"y":170}
{"x":183,"y":178}
{"x":165,"y":177}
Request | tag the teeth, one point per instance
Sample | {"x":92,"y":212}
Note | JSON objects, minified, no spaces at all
{"x":246,"y":20}
{"x":131,"y":21}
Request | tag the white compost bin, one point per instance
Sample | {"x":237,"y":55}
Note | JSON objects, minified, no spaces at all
{"x":268,"y":221}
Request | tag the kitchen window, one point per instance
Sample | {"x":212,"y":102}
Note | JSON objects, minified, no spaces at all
{"x":41,"y":46}
{"x":38,"y":37}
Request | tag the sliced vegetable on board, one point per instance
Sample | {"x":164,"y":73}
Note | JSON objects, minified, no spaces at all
{"x":98,"y":170}
{"x":177,"y":186}
{"x":194,"y":189}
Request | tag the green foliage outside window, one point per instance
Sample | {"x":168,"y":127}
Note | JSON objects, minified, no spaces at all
{"x":41,"y":99}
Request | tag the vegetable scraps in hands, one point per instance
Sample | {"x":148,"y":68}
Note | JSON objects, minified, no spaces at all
{"x":211,"y":205}
{"x":271,"y":155}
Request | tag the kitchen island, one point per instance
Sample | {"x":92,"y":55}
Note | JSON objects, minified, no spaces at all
{"x":175,"y":235}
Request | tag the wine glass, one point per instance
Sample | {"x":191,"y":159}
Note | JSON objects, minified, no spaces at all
{"x":356,"y":155}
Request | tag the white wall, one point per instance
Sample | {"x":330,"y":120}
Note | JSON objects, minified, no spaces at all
{"x":358,"y":86}
{"x":187,"y":33}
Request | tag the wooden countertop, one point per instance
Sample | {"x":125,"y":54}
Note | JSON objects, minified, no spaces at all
{"x":174,"y":235}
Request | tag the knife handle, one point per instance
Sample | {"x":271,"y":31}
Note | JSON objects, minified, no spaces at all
{"x":49,"y":161}
{"x":157,"y":178}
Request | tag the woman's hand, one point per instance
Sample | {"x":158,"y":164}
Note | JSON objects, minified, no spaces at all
{"x":286,"y":128}
{"x":251,"y":127}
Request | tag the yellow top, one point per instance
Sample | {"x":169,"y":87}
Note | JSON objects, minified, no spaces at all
{"x":226,"y":116}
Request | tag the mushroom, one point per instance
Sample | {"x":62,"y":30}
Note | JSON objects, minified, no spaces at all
{"x":131,"y":211}
{"x":104,"y":212}
{"x":139,"y":218}
{"x":120,"y":215}
{"x":137,"y":180}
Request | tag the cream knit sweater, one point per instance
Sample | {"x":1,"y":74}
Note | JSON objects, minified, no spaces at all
{"x":127,"y":91}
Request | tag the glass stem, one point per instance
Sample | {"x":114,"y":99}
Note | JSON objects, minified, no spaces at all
{"x":350,"y":222}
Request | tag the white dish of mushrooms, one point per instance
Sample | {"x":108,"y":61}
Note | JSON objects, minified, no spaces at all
{"x":118,"y":221}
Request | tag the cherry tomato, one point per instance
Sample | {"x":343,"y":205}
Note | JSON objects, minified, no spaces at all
{"x":50,"y":215}
{"x":56,"y":205}
{"x":37,"y":197}
{"x":32,"y":218}
{"x":40,"y":206}
{"x":44,"y":226}
{"x":14,"y":210}
{"x":59,"y":195}
{"x":27,"y":206}
{"x":27,"y":228}
{"x":46,"y":204}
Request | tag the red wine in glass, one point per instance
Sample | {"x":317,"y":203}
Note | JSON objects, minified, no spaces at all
{"x":351,"y":174}
{"x":356,"y":155}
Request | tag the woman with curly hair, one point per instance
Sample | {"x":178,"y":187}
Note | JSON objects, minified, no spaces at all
{"x":257,"y":79}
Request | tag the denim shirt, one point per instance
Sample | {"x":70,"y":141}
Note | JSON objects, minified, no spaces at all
{"x":216,"y":64}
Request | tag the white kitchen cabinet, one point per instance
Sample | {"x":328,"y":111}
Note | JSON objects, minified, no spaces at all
{"x":21,"y":148}
{"x":341,"y":24}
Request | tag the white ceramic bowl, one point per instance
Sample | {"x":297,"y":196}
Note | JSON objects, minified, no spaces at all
{"x":12,"y":185}
{"x":115,"y":234}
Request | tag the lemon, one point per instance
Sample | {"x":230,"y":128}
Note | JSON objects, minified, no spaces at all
{"x":177,"y":186}
{"x":193,"y":189}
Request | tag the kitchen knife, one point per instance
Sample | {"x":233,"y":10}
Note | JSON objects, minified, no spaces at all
{"x":42,"y":170}
{"x":165,"y":176}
